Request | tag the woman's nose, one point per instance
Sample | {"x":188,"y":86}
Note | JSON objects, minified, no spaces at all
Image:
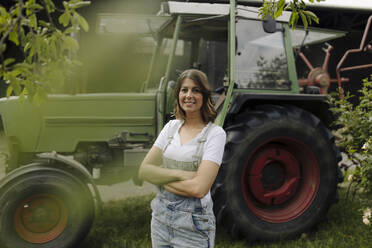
{"x":189,"y":93}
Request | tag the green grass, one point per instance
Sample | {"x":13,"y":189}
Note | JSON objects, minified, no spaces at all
{"x":126,"y":224}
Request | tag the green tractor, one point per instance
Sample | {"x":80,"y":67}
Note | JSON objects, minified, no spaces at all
{"x":280,"y":168}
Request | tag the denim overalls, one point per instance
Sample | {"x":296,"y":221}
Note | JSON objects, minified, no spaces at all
{"x":179,"y":221}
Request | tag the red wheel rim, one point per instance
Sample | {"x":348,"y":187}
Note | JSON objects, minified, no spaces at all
{"x":280,"y":179}
{"x":40,"y":218}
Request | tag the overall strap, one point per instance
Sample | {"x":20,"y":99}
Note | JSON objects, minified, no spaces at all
{"x":171,"y":132}
{"x":199,"y":149}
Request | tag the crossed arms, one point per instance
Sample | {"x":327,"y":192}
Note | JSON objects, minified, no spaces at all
{"x":180,"y":182}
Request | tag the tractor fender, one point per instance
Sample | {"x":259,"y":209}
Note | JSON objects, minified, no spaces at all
{"x":315,"y":104}
{"x":80,"y":169}
{"x":46,"y":162}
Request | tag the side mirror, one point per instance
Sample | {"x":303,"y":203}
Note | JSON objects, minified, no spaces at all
{"x":269,"y":25}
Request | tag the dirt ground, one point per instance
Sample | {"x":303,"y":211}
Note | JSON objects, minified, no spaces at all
{"x":108,"y":193}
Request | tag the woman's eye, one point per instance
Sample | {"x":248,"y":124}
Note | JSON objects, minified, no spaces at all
{"x":184,"y":90}
{"x":196,"y":90}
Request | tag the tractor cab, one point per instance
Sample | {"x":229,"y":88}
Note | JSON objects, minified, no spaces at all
{"x":250,"y":55}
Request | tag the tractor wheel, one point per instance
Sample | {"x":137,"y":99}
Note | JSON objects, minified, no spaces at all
{"x":279,"y":173}
{"x":45,"y":209}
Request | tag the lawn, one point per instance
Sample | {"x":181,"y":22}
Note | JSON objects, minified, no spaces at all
{"x":126,"y":224}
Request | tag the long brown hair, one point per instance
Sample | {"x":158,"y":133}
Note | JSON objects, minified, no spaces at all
{"x":207,"y":110}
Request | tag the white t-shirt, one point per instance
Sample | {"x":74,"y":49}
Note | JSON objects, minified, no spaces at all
{"x":212,"y":150}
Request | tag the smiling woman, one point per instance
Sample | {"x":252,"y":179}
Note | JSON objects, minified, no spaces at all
{"x":184,"y":163}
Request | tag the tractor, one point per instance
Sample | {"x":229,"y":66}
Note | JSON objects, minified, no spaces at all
{"x":279,"y":173}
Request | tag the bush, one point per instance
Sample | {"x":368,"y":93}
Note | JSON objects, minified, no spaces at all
{"x":355,"y":133}
{"x":355,"y":138}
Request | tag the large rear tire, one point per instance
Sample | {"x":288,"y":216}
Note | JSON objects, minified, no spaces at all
{"x":45,"y":209}
{"x":279,"y":173}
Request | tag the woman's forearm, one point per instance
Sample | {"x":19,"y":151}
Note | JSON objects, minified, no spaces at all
{"x":160,"y":176}
{"x":188,"y":188}
{"x":174,"y":191}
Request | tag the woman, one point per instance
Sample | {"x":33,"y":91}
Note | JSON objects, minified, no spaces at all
{"x":184,"y":162}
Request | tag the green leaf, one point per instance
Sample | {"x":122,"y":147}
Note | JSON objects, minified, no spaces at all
{"x":14,"y":73}
{"x":44,"y":24}
{"x":22,"y":36}
{"x":28,"y":12}
{"x":27,"y":46}
{"x":280,"y":8}
{"x":3,"y":22}
{"x":352,"y":151}
{"x":3,"y":11}
{"x":25,"y":91}
{"x":31,"y":53}
{"x":50,"y":5}
{"x":79,"y":4}
{"x":9,"y":91}
{"x":311,"y":15}
{"x":83,"y":23}
{"x":293,"y":20}
{"x":64,"y":19}
{"x":69,"y":30}
{"x":304,"y":19}
{"x":33,"y":21}
{"x":35,"y":6}
{"x":13,"y":36}
{"x":8,"y":61}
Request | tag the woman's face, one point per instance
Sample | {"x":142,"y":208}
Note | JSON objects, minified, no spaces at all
{"x":190,"y":96}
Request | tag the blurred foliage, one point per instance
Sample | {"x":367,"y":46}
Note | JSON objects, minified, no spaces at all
{"x":48,"y":48}
{"x":355,"y":133}
{"x":274,"y":8}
